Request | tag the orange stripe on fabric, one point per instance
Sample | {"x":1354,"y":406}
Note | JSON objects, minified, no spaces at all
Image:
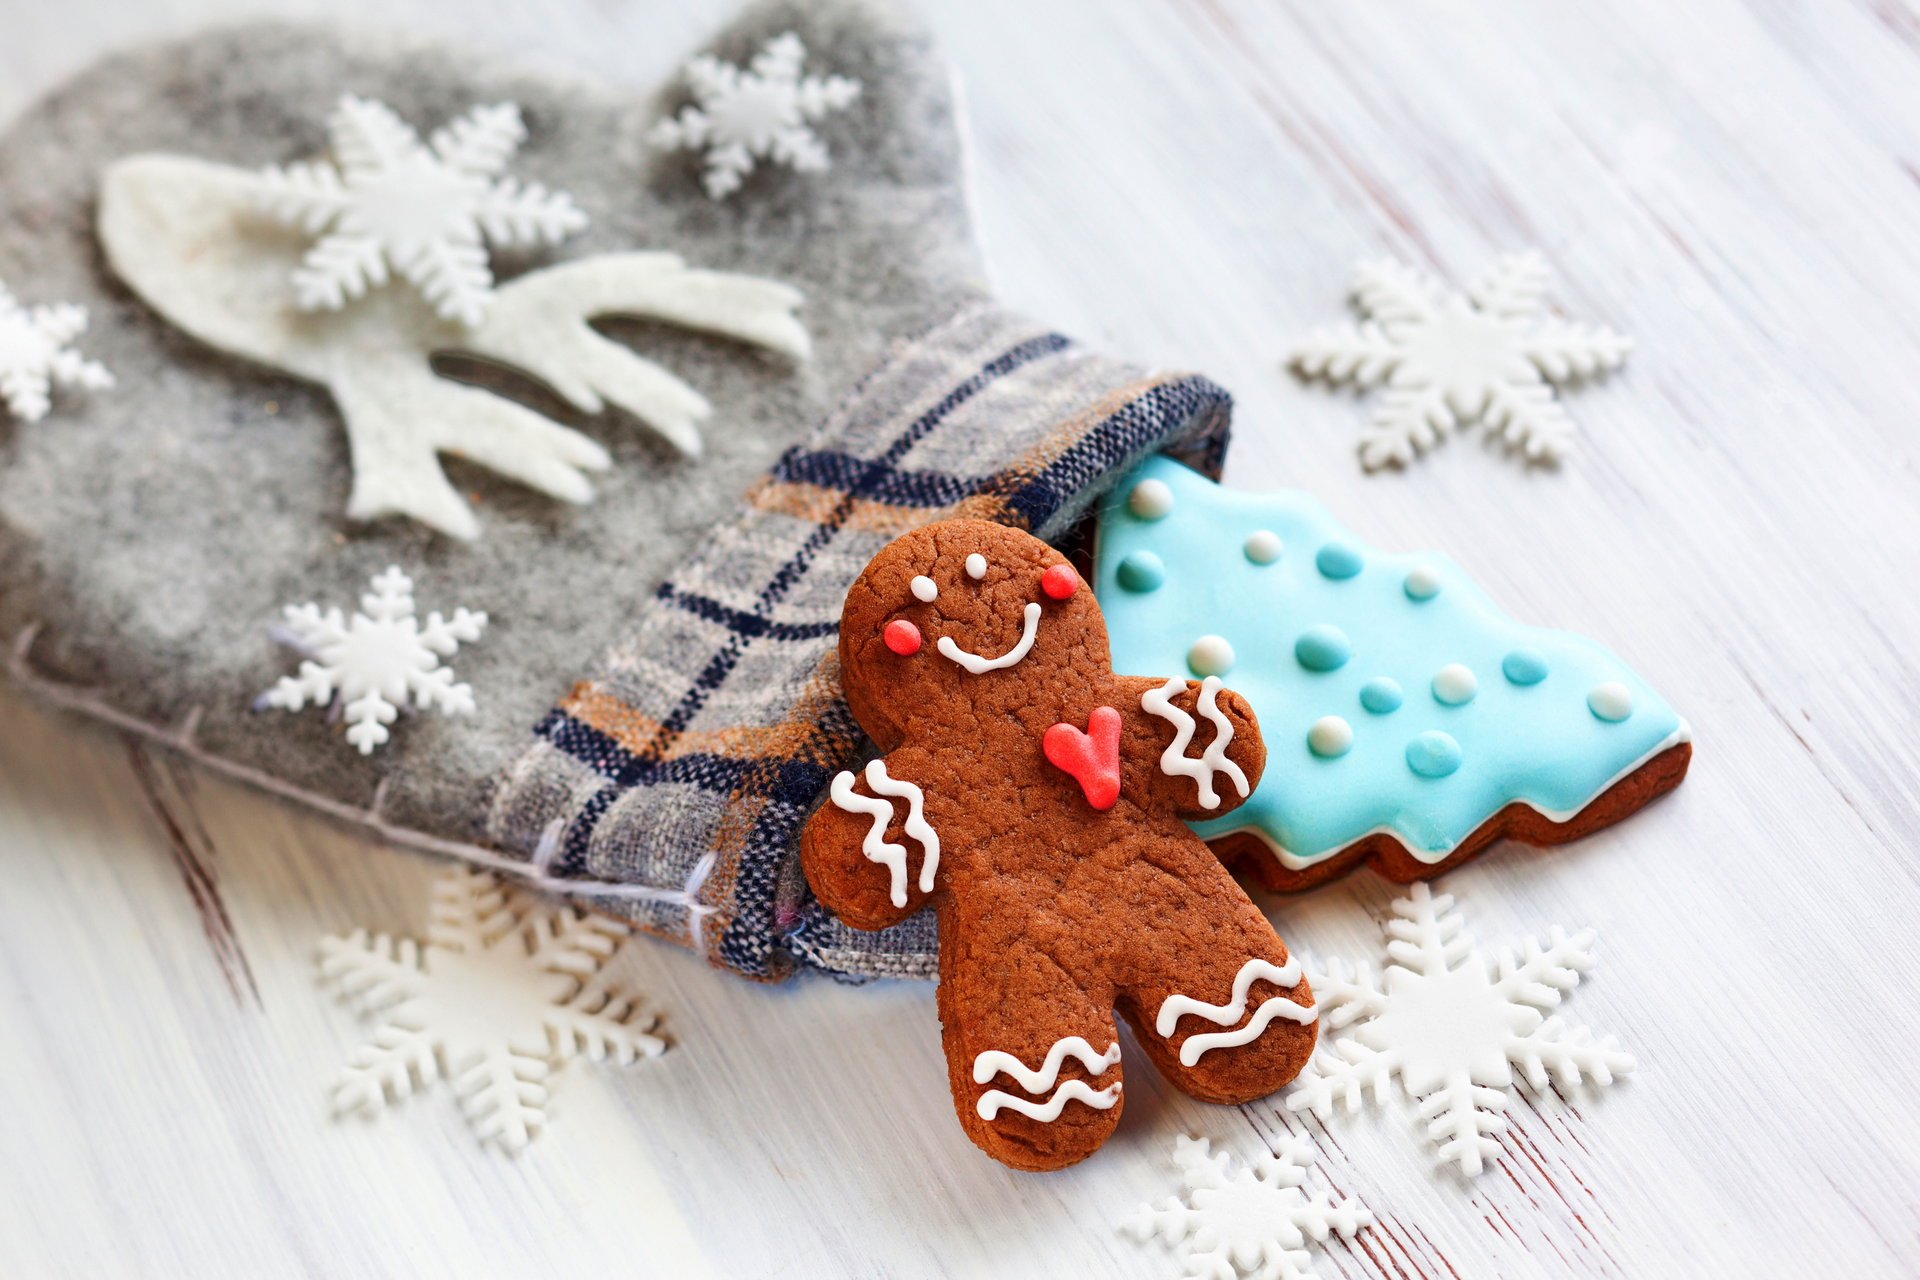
{"x":990,"y":502}
{"x":641,"y":735}
{"x":818,"y":504}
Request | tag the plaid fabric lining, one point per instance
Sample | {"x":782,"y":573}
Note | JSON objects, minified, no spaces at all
{"x":686,"y":765}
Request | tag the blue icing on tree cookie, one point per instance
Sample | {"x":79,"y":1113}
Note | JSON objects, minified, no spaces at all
{"x":1396,"y":699}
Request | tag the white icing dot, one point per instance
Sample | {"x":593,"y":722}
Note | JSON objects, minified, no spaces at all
{"x":1454,"y":684}
{"x":925,"y":590}
{"x":1330,"y":737}
{"x":1422,"y":583}
{"x":976,"y":566}
{"x":1210,"y":656}
{"x":1150,"y":499}
{"x":1610,"y":701}
{"x":1263,"y":546}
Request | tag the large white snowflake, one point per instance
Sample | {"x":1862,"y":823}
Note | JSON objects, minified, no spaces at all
{"x":1452,"y":1024}
{"x":426,"y":210}
{"x":499,"y":997}
{"x":764,"y":112}
{"x":1446,"y":360}
{"x":1235,"y":1221}
{"x":375,"y":660}
{"x":35,"y":356}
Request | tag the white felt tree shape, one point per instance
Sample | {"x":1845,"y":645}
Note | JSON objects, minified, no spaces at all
{"x":1452,"y":1024}
{"x":181,"y":232}
{"x":426,"y":210}
{"x":762,"y":113}
{"x":1235,"y":1221}
{"x":375,"y":661}
{"x":36,"y":356}
{"x":499,"y":997}
{"x":1445,"y":360}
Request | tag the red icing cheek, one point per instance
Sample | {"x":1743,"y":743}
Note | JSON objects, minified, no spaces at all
{"x":902,"y":637}
{"x":1060,"y":582}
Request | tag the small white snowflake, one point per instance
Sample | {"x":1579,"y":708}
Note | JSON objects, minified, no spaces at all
{"x":763,"y":112}
{"x":1452,"y":1025}
{"x":35,"y":356}
{"x":426,"y":210}
{"x":1253,"y":1222}
{"x":500,"y":996}
{"x":375,"y":660}
{"x":1446,"y":360}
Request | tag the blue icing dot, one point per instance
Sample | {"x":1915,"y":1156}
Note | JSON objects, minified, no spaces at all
{"x":1322,"y":648}
{"x":1381,"y":695}
{"x":1141,"y":571}
{"x":1433,"y":754}
{"x":1524,"y":666}
{"x":1337,"y":560}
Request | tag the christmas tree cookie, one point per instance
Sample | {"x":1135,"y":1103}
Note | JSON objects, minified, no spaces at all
{"x":1410,"y":722}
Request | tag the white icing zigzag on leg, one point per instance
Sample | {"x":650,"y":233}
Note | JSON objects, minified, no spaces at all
{"x":995,"y":1062}
{"x":1177,"y":1006}
{"x":875,"y":845}
{"x":993,"y":1100}
{"x":1174,"y":761}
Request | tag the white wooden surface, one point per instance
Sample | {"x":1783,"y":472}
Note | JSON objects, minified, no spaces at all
{"x":1735,"y":184}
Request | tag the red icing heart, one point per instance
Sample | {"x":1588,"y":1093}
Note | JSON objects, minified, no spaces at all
{"x":1092,"y":758}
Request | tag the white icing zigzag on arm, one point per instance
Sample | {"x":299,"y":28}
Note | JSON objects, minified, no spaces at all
{"x":875,"y":845}
{"x":1177,"y":1006}
{"x":1174,"y":761}
{"x":995,"y":1062}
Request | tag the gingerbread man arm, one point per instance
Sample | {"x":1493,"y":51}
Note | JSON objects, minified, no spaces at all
{"x":1181,"y":725}
{"x":869,"y":853}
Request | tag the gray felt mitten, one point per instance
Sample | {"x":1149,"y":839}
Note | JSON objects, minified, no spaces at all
{"x":654,"y":453}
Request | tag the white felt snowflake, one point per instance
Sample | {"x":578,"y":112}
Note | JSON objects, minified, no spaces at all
{"x":1447,"y":360}
{"x":426,"y":210}
{"x":499,"y":997}
{"x":1236,"y":1221}
{"x":1452,"y":1024}
{"x":764,"y":112}
{"x":375,"y":660}
{"x":35,"y":356}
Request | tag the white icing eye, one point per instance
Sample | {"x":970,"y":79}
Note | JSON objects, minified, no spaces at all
{"x":976,"y":566}
{"x":924,"y":589}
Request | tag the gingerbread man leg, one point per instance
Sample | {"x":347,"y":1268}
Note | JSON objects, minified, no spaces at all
{"x":1033,"y":1059}
{"x":1230,"y":1019}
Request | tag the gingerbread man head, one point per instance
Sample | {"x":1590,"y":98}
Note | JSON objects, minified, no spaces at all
{"x":1038,"y":801}
{"x":965,"y":612}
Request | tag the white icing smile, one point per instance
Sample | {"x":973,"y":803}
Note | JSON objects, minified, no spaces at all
{"x":976,"y":664}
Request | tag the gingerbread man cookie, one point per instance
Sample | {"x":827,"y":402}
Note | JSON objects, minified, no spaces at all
{"x":1039,"y":802}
